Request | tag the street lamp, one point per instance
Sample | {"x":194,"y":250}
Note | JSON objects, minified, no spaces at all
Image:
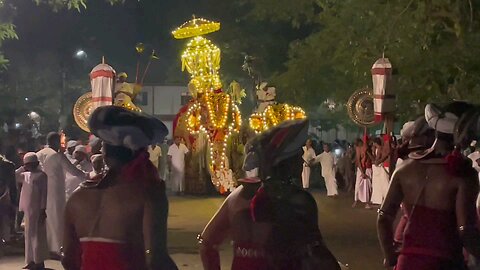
{"x":80,"y":54}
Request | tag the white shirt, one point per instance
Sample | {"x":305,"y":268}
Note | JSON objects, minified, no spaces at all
{"x":155,"y":154}
{"x":72,"y":182}
{"x":178,"y":155}
{"x":33,"y":196}
{"x":308,"y":154}
{"x":327,"y":161}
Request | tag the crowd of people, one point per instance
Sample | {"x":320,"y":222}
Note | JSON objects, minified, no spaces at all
{"x":104,"y":205}
{"x":55,"y":172}
{"x":363,"y":168}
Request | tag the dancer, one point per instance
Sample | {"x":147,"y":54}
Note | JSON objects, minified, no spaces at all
{"x":120,"y":222}
{"x":363,"y":183}
{"x":327,"y":160}
{"x":233,"y":220}
{"x":380,"y":178}
{"x":308,"y":157}
{"x":33,"y":203}
{"x":295,"y":241}
{"x":438,"y":192}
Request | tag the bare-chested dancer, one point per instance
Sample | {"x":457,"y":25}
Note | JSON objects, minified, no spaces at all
{"x":120,"y":222}
{"x":438,"y":191}
{"x":234,"y":219}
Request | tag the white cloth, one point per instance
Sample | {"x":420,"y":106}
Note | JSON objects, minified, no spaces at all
{"x":155,"y":155}
{"x":380,"y":182}
{"x":56,"y":166}
{"x":308,"y":155}
{"x":69,"y":157}
{"x":72,"y":182}
{"x":177,"y":154}
{"x":474,"y":156}
{"x":33,"y":201}
{"x":327,"y":161}
{"x":363,"y":186}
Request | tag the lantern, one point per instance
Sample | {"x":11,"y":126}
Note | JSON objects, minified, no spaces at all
{"x":383,"y":95}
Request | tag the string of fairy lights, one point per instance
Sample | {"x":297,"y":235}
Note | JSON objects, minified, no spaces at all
{"x":274,"y":115}
{"x":212,"y":111}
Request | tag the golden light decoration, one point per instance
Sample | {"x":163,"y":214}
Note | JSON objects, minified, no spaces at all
{"x":201,"y":59}
{"x":213,"y":113}
{"x":218,"y":105}
{"x":195,"y":27}
{"x":256,"y":122}
{"x":274,"y":115}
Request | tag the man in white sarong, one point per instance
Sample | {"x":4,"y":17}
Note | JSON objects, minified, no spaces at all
{"x":327,"y":161}
{"x":176,"y":158}
{"x":363,"y":183}
{"x":33,"y":202}
{"x":308,"y":156}
{"x":70,"y":149}
{"x":82,"y":162}
{"x":56,"y":166}
{"x":380,"y":178}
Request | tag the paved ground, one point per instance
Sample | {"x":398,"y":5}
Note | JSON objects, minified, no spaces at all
{"x":349,"y":233}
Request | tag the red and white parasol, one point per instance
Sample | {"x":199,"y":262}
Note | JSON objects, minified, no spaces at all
{"x":102,"y":81}
{"x":383,"y":95}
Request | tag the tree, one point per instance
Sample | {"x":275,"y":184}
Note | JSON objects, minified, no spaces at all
{"x":7,"y":27}
{"x":432,"y":45}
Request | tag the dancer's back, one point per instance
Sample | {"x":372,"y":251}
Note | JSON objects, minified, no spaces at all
{"x":108,"y":221}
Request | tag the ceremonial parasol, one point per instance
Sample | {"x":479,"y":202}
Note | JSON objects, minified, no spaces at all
{"x":383,"y":96}
{"x":102,"y":80}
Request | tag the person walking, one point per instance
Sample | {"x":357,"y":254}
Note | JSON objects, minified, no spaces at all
{"x":308,"y":156}
{"x":176,"y":160}
{"x":327,"y":160}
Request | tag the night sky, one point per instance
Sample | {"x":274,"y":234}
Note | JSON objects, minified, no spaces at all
{"x":106,"y":30}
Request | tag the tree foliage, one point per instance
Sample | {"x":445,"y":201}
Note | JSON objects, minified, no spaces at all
{"x":71,"y":4}
{"x":433,"y":46}
{"x":7,"y":27}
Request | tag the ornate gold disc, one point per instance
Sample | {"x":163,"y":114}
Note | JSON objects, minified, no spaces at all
{"x":360,"y":107}
{"x":82,"y":110}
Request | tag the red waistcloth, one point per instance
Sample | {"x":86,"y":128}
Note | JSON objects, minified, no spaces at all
{"x":109,"y":256}
{"x":248,"y":256}
{"x":431,"y":236}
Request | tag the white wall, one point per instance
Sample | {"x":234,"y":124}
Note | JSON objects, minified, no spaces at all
{"x":162,"y":101}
